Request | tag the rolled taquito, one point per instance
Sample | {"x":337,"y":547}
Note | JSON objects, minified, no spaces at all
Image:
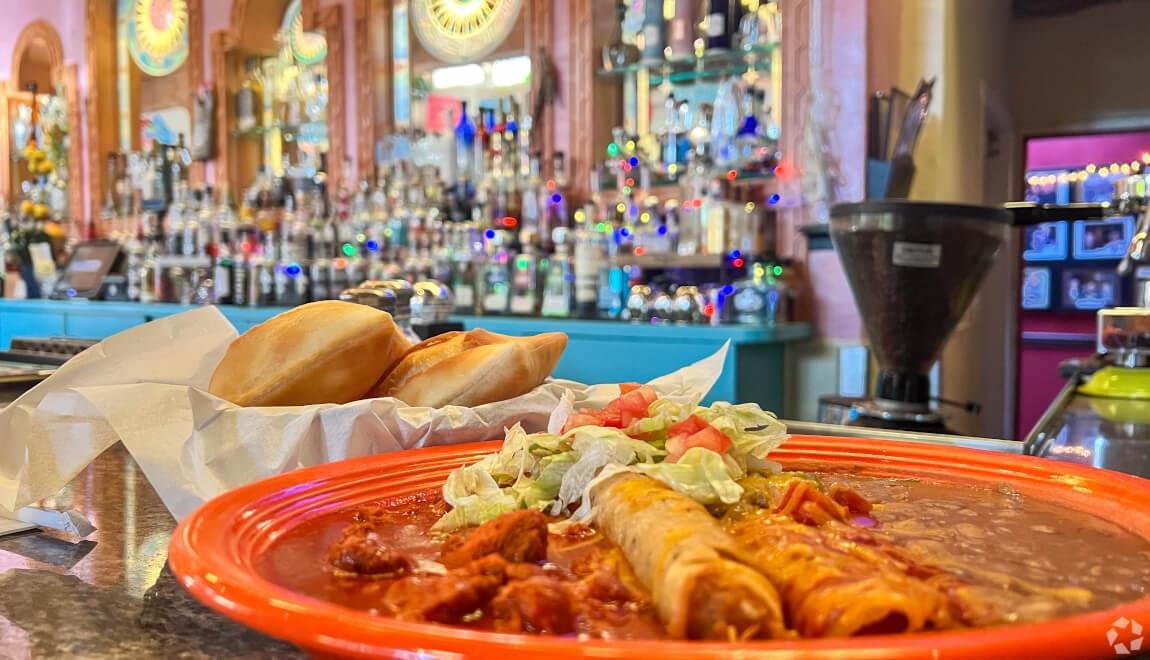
{"x":702,"y":586}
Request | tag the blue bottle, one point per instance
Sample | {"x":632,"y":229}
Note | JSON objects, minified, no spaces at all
{"x":465,"y":146}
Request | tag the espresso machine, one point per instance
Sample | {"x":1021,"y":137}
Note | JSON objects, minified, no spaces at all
{"x":913,"y":268}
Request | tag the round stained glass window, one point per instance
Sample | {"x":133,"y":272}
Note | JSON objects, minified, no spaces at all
{"x":157,"y":34}
{"x":463,"y":30}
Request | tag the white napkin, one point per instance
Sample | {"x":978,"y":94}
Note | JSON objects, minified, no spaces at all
{"x":147,"y":387}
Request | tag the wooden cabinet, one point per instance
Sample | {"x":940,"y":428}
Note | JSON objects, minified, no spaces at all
{"x":254,"y":35}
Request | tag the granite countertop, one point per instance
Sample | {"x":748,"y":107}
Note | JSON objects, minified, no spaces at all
{"x":111,"y":595}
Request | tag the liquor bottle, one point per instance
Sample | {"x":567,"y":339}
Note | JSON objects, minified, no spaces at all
{"x":720,"y":22}
{"x":612,"y":285}
{"x":559,"y":279}
{"x":135,"y":263}
{"x":147,"y":275}
{"x":652,"y":34}
{"x":338,"y":279}
{"x":319,"y":280}
{"x":618,"y":54}
{"x":590,"y":258}
{"x":154,"y":188}
{"x":747,"y":138}
{"x":190,"y":245}
{"x":465,"y":147}
{"x":531,"y":206}
{"x":555,"y":202}
{"x":715,"y":218}
{"x":669,"y":150}
{"x":680,"y":18}
{"x":690,"y":222}
{"x":174,"y":230}
{"x":225,"y":257}
{"x":207,"y":220}
{"x":481,"y":146}
{"x":181,"y":160}
{"x":248,"y":101}
{"x":525,"y":282}
{"x":683,"y":128}
{"x":496,"y":289}
{"x":108,"y":218}
{"x":464,"y":274}
{"x":725,"y":122}
{"x":511,"y":131}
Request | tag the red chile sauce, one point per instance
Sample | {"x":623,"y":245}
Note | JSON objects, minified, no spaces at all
{"x":990,"y":538}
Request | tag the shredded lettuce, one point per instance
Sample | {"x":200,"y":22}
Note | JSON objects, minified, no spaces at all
{"x":753,"y":431}
{"x":661,"y":415}
{"x":552,"y":471}
{"x":700,"y":474}
{"x":540,"y":492}
{"x":475,"y":498}
{"x":596,"y":447}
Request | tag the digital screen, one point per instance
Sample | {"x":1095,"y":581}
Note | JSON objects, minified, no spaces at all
{"x":1102,"y":239}
{"x":1089,"y":289}
{"x":1046,"y":242}
{"x":1035,"y":288}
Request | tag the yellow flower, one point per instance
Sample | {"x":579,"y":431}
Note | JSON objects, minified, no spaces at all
{"x":54,"y":230}
{"x":40,"y":211}
{"x":46,"y":167}
{"x":27,"y":207}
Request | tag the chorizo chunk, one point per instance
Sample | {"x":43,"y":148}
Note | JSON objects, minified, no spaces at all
{"x":519,"y":536}
{"x":440,"y":598}
{"x":362,"y":551}
{"x":537,"y":605}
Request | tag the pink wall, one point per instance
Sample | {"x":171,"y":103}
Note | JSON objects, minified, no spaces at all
{"x":824,"y":66}
{"x":1079,"y":150}
{"x":67,"y":16}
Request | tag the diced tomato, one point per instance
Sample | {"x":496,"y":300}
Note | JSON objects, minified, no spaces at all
{"x":694,"y":432}
{"x":609,"y":416}
{"x":692,"y":424}
{"x":582,"y":418}
{"x":632,"y":404}
{"x":710,"y":438}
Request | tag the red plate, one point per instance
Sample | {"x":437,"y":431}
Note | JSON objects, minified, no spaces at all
{"x":214,"y":553}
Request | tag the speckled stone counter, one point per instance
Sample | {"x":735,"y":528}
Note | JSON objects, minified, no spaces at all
{"x":111,"y":595}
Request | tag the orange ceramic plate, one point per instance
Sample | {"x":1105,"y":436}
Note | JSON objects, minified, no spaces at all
{"x":214,"y":553}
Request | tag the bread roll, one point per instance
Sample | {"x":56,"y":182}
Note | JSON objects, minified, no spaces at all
{"x":472,"y":368}
{"x":321,"y":352}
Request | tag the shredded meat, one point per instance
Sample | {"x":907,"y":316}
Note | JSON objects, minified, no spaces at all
{"x":601,"y":579}
{"x":440,"y":598}
{"x":465,"y":591}
{"x":803,"y":502}
{"x":520,"y":536}
{"x":850,"y":498}
{"x":537,"y":604}
{"x":362,"y":551}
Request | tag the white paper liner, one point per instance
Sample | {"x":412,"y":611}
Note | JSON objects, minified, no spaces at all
{"x":147,"y":387}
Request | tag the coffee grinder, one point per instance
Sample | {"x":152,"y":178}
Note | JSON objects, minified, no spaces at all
{"x":913,"y":268}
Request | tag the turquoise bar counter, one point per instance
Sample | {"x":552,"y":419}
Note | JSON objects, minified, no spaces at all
{"x":598,"y":351}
